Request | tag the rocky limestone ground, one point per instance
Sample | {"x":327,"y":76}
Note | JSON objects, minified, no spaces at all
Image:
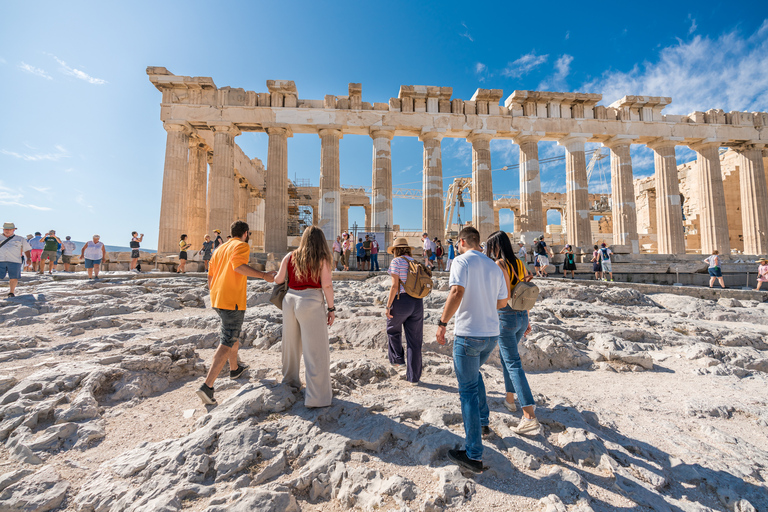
{"x":648,"y":402}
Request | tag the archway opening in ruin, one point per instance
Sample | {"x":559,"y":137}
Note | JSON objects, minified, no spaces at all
{"x":507,"y":219}
{"x":555,"y":226}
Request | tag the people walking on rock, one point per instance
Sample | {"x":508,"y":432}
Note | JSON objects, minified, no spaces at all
{"x":228,"y":275}
{"x":306,"y":318}
{"x":542,"y":255}
{"x":605,"y":262}
{"x":522,"y":253}
{"x":477,"y":291}
{"x":374,"y":264}
{"x":58,"y":255}
{"x":12,"y":248}
{"x":596,"y":266}
{"x":404,"y":312}
{"x":27,"y":260}
{"x":67,"y":251}
{"x":135,"y":244}
{"x":183,"y":246}
{"x":439,"y":252}
{"x":207,"y":251}
{"x":50,"y":247}
{"x":346,"y":247}
{"x":218,"y":240}
{"x":762,"y":273}
{"x":569,"y":261}
{"x":367,"y":248}
{"x":713,"y":261}
{"x":37,"y":245}
{"x":360,"y":252}
{"x":427,"y":247}
{"x":451,"y":255}
{"x":93,"y":252}
{"x":337,"y":253}
{"x":514,"y":325}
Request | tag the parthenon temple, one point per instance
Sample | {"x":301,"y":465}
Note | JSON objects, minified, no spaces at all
{"x":717,"y":202}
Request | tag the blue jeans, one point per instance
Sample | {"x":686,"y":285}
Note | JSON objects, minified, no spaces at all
{"x":469,"y":354}
{"x":513,"y":326}
{"x":375,"y":262}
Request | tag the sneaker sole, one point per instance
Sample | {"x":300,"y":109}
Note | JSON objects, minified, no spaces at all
{"x":510,"y":407}
{"x":462,"y":465}
{"x":204,"y":398}
{"x":528,"y":431}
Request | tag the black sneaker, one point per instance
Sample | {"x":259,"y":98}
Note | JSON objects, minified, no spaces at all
{"x":206,"y":395}
{"x":460,"y":458}
{"x":486,"y":431}
{"x":10,"y":295}
{"x":233,"y":374}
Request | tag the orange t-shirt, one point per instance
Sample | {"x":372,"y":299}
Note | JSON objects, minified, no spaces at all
{"x":228,"y":288}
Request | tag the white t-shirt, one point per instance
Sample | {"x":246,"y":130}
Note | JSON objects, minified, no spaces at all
{"x":11,"y":252}
{"x":522,"y":253}
{"x":93,"y":251}
{"x":713,"y":261}
{"x":68,"y":248}
{"x":483,"y":283}
{"x":429,"y":245}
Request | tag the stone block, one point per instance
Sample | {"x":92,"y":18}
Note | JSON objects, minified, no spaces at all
{"x":365,"y":105}
{"x":433,"y":104}
{"x":277,"y":99}
{"x":290,"y":101}
{"x":342,"y":103}
{"x":394,"y":104}
{"x":457,"y":106}
{"x":419,"y":104}
{"x":406,"y":104}
{"x":329,"y":101}
{"x":621,"y":249}
{"x":469,"y":108}
{"x":481,"y":107}
{"x":381,"y":106}
{"x":444,"y":106}
{"x":264,"y":99}
{"x":697,"y":117}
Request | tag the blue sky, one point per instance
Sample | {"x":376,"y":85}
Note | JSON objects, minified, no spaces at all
{"x":82,"y":147}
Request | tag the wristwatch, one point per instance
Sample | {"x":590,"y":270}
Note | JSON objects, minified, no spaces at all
{"x":330,"y":310}
{"x":440,"y":323}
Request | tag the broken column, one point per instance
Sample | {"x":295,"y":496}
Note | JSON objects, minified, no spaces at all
{"x":531,"y":223}
{"x":754,"y":199}
{"x":432,"y":202}
{"x":482,"y":183}
{"x":381,"y":197}
{"x":276,"y":202}
{"x":172,"y":216}
{"x":669,"y":213}
{"x":256,"y":219}
{"x":578,"y":228}
{"x":623,"y":210}
{"x":330,"y":188}
{"x":221,"y":180}
{"x":197,"y":185}
{"x":714,"y":220}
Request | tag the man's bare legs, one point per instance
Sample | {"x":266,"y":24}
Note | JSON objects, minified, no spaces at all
{"x":220,"y":358}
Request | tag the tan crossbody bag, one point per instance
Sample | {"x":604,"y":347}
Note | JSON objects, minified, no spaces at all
{"x":524,"y":295}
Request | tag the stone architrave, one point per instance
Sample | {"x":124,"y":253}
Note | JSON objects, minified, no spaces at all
{"x":197,"y":187}
{"x":754,"y":199}
{"x":623,"y":210}
{"x":713,"y":215}
{"x":330,"y":184}
{"x":256,"y":219}
{"x":276,"y":213}
{"x":381,"y":197}
{"x":221,"y":179}
{"x":669,"y":213}
{"x":531,"y":219}
{"x":578,"y":228}
{"x":172,"y":210}
{"x":482,"y":183}
{"x":432,"y":195}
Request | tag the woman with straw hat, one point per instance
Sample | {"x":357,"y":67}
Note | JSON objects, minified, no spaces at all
{"x":404,"y":312}
{"x":762,"y":272}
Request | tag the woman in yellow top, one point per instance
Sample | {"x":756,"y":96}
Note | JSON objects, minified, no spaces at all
{"x":514,"y":325}
{"x":183,"y":246}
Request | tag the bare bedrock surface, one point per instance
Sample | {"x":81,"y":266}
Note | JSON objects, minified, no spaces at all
{"x":647,"y":402}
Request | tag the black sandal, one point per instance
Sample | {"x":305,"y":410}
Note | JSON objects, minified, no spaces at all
{"x":11,"y":295}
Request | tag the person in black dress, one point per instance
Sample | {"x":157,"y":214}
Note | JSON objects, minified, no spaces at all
{"x":569,"y":262}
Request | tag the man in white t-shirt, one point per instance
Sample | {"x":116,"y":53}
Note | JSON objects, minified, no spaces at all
{"x":605,"y":261}
{"x":477,"y":291}
{"x":428,"y":247}
{"x":11,"y":249}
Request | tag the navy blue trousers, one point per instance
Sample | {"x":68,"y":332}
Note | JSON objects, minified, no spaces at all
{"x":407,"y":313}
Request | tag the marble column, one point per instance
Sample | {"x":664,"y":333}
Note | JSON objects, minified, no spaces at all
{"x":381,"y":182}
{"x":578,"y":228}
{"x":344,"y":218}
{"x":714,"y":220}
{"x":221,"y":179}
{"x":330,"y":187}
{"x":367,"y":219}
{"x":669,"y":214}
{"x":482,"y":184}
{"x":531,"y":222}
{"x":754,"y":199}
{"x":256,"y":219}
{"x":172,"y":216}
{"x":242,"y":212}
{"x":496,"y":221}
{"x":197,"y":187}
{"x":623,"y":209}
{"x":276,"y":213}
{"x":432,"y":192}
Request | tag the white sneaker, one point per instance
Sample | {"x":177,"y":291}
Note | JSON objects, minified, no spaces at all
{"x":511,"y":407}
{"x":527,"y":427}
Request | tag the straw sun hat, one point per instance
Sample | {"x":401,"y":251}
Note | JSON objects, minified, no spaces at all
{"x":399,"y":242}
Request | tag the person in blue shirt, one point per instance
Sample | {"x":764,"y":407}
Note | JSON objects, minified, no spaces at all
{"x":361,"y":257}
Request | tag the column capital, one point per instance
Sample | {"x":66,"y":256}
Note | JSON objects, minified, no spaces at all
{"x":330,"y":130}
{"x":224,"y":127}
{"x":620,"y":140}
{"x":197,"y":143}
{"x":749,"y":145}
{"x":178,"y":126}
{"x":382,"y":132}
{"x":705,"y":144}
{"x":662,"y":142}
{"x":279,"y":130}
{"x":429,"y":133}
{"x":480,"y":135}
{"x":528,"y":136}
{"x":574,"y":137}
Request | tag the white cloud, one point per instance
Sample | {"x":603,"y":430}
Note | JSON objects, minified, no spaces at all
{"x":11,"y":197}
{"x":524,"y":65}
{"x":35,"y":71}
{"x":60,"y":153}
{"x":567,"y":35}
{"x":68,"y":70}
{"x":481,"y":71}
{"x":80,"y":199}
{"x":466,"y":33}
{"x":693,"y":26}
{"x":557,"y":81}
{"x":728,"y":72}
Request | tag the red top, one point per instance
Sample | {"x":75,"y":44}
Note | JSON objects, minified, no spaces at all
{"x":295,"y":283}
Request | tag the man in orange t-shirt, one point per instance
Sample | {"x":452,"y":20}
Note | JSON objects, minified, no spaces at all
{"x":228,"y":274}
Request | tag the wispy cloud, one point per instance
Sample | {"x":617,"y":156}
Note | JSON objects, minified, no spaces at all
{"x":406,"y":169}
{"x":524,"y":65}
{"x":82,"y":75}
{"x":557,"y":81}
{"x":80,"y":199}
{"x":35,"y":71}
{"x":12,"y":197}
{"x":60,"y":153}
{"x":693,"y":26}
{"x":466,"y":33}
{"x":481,"y":71}
{"x":42,"y":190}
{"x":728,"y":72}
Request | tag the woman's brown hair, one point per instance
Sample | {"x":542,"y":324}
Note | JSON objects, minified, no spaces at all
{"x":312,"y":252}
{"x":399,"y":251}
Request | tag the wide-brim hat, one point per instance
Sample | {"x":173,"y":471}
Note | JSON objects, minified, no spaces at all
{"x":399,"y":242}
{"x":217,"y":231}
{"x":9,"y":225}
{"x":763,"y":260}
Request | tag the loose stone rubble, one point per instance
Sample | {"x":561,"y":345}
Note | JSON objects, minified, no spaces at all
{"x":646,"y":401}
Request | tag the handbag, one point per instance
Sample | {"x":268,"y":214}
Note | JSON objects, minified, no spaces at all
{"x":524,"y":295}
{"x":278,"y":293}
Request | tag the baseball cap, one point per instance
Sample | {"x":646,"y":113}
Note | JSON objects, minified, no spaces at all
{"x":37,"y":233}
